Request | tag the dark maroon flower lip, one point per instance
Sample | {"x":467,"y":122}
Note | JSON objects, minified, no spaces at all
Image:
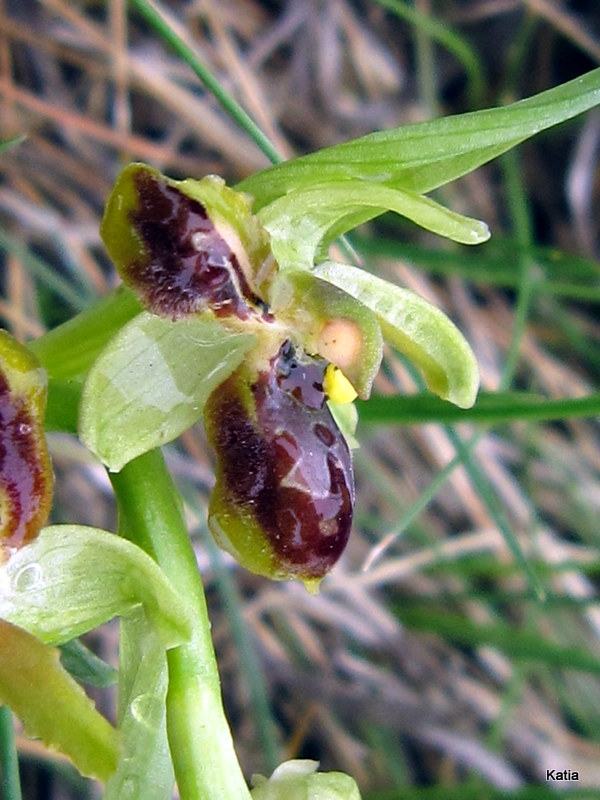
{"x":184,"y":265}
{"x":25,"y":472}
{"x":283,"y":465}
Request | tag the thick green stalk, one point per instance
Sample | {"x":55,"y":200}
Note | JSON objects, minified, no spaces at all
{"x":206,"y":766}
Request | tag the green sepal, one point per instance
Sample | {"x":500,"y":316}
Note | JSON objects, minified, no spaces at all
{"x":312,"y":307}
{"x":151,"y":382}
{"x":303,"y":222}
{"x":299,"y":780}
{"x":417,"y":329}
{"x":73,"y":578}
{"x":51,"y":705}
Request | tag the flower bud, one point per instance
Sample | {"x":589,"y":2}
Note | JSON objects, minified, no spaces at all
{"x":25,"y":470}
{"x":284,"y":494}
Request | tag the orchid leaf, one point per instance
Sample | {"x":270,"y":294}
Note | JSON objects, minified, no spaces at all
{"x":151,"y":383}
{"x":51,"y":705}
{"x":304,"y":221}
{"x":420,"y":157}
{"x":73,"y":578}
{"x":415,"y":327}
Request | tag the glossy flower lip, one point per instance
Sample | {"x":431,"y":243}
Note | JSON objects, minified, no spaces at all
{"x":25,"y":471}
{"x":284,"y":496}
{"x":180,"y":256}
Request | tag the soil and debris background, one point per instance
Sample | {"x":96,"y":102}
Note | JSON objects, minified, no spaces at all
{"x":426,"y":661}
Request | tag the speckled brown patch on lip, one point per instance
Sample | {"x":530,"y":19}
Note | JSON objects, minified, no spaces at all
{"x":185,"y":266}
{"x":286,"y":464}
{"x":25,"y":477}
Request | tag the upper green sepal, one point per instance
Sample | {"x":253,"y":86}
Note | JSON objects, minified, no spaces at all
{"x":418,"y":329}
{"x":151,"y":382}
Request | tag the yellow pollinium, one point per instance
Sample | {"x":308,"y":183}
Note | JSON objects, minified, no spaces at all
{"x":337,"y":386}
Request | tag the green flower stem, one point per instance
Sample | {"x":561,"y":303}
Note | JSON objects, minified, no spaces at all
{"x":9,"y":763}
{"x":69,"y":350}
{"x":206,"y":766}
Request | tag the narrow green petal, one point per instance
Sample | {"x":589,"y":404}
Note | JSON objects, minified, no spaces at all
{"x":301,"y":222}
{"x":418,"y":329}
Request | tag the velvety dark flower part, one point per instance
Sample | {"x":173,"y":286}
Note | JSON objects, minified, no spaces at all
{"x":282,"y":464}
{"x":184,"y":265}
{"x":24,"y":474}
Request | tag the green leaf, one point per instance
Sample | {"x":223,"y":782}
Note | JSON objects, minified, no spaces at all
{"x":423,"y":156}
{"x":304,"y":221}
{"x":145,"y":769}
{"x":73,"y":578}
{"x":419,"y":330}
{"x":51,"y":705}
{"x":151,"y":383}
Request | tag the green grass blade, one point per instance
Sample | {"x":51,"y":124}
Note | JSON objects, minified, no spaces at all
{"x":455,"y":44}
{"x":518,"y":644}
{"x":491,"y":408}
{"x":6,"y":144}
{"x":243,"y":119}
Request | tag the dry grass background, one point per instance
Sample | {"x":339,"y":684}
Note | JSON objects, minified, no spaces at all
{"x":349,"y":680}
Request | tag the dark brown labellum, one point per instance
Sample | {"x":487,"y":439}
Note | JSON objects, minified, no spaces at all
{"x":185,"y":265}
{"x":25,"y":471}
{"x":284,"y":497}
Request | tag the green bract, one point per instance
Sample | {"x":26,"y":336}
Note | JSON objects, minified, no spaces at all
{"x":423,"y":156}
